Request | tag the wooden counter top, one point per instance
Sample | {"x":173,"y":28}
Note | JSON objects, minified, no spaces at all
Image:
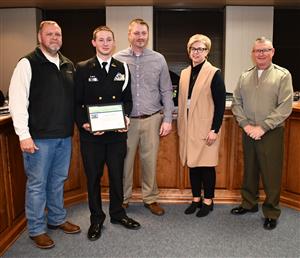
{"x":4,"y":119}
{"x":296,"y":106}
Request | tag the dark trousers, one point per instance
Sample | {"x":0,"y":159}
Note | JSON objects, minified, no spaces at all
{"x":95,"y":155}
{"x":263,"y":158}
{"x":203,"y":177}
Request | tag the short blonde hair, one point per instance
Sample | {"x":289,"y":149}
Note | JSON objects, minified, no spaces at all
{"x":137,"y":21}
{"x":102,"y":28}
{"x":199,"y":38}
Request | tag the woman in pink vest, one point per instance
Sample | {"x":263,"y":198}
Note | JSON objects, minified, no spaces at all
{"x":201,"y":105}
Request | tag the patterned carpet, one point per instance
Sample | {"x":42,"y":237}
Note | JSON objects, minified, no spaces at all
{"x":173,"y":235}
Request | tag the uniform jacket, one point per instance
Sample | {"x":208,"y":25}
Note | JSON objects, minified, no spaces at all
{"x":93,"y":87}
{"x":194,"y":124}
{"x":266,"y":101}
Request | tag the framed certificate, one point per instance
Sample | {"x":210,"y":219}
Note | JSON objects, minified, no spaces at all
{"x":107,"y":117}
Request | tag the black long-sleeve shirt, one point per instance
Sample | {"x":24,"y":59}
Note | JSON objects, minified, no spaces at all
{"x":218,"y":92}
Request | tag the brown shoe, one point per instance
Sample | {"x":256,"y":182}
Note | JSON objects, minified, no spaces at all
{"x":43,"y":241}
{"x":125,"y":205}
{"x":67,"y":227}
{"x":155,"y":208}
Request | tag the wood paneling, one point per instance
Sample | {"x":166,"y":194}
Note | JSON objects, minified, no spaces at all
{"x":172,"y":178}
{"x":168,"y":162}
{"x":223,"y":169}
{"x":16,"y":177}
{"x":12,"y":186}
{"x":4,"y":207}
{"x":293,"y":164}
{"x":75,"y":185}
{"x":291,"y":175}
{"x":238,"y":157}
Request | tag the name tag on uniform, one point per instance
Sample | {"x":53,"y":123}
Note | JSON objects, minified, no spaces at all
{"x":93,"y":78}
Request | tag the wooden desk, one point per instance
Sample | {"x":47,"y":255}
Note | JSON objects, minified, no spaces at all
{"x":172,"y":178}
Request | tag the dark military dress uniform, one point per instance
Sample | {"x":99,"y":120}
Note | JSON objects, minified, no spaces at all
{"x":94,"y":86}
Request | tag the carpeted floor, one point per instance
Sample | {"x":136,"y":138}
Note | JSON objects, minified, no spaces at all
{"x":173,"y":235}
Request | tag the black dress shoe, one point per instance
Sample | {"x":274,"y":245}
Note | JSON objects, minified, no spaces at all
{"x":94,"y":232}
{"x":270,"y":223}
{"x":240,"y":210}
{"x":193,"y":207}
{"x":205,"y":209}
{"x":126,"y":222}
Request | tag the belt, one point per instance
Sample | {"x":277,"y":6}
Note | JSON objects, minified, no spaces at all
{"x":144,"y":116}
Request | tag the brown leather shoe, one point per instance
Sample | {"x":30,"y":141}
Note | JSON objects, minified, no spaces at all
{"x":43,"y":241}
{"x":125,"y":205}
{"x":67,"y":227}
{"x":155,"y":208}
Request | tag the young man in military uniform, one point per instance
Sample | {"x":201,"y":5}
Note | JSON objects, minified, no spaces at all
{"x":102,"y":80}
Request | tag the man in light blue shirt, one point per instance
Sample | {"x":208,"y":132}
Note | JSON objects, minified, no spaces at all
{"x":151,"y":115}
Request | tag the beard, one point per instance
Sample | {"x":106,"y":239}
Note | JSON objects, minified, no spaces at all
{"x":54,"y":47}
{"x":141,"y":43}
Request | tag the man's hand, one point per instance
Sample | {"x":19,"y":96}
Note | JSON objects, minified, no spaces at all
{"x":87,"y":127}
{"x":165,"y":129}
{"x":27,"y":145}
{"x":248,"y":129}
{"x":255,"y":132}
{"x":127,"y":125}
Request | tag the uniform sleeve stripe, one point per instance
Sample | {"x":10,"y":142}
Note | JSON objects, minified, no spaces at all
{"x":126,"y":76}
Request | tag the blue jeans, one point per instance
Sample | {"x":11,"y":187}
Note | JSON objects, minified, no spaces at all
{"x":46,"y":171}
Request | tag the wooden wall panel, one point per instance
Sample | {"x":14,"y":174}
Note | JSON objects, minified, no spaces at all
{"x":238,"y":157}
{"x":16,"y":176}
{"x":75,"y":186}
{"x":167,"y":164}
{"x":222,"y":170}
{"x":12,"y":186}
{"x":292,"y":174}
{"x":76,"y":179}
{"x":4,"y":207}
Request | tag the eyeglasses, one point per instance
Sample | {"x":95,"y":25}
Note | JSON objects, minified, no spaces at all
{"x":199,"y":49}
{"x":262,"y":51}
